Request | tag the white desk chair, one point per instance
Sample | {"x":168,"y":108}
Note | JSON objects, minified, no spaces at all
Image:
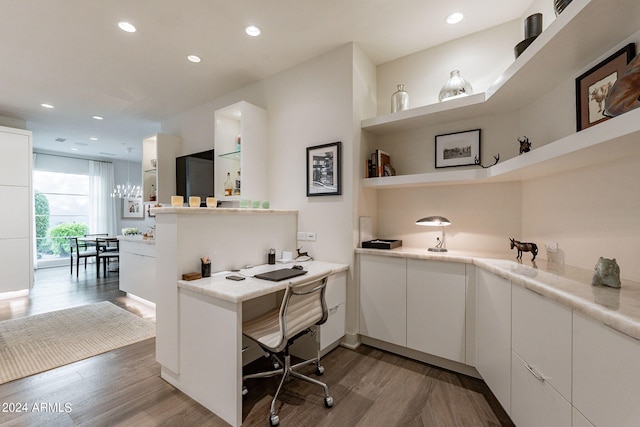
{"x":303,"y":306}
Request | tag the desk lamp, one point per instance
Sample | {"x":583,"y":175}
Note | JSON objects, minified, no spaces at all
{"x":436,"y":221}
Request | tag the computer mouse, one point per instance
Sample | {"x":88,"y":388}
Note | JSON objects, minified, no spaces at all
{"x":298,"y":267}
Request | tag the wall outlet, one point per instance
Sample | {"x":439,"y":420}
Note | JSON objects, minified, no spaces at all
{"x":302,"y":236}
{"x":311,"y":236}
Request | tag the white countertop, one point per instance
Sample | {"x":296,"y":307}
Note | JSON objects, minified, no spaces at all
{"x":219,"y":211}
{"x":570,"y":286}
{"x":139,"y":238}
{"x":218,"y":286}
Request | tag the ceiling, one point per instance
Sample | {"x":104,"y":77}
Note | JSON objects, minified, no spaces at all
{"x":72,"y":55}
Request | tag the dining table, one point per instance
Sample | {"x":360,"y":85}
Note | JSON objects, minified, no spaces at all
{"x":102,"y":243}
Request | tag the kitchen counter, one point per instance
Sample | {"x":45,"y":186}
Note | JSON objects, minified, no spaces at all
{"x":218,"y":286}
{"x":571,"y":286}
{"x":138,"y":238}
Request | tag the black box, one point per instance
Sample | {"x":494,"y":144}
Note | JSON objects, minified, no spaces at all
{"x":382,"y":244}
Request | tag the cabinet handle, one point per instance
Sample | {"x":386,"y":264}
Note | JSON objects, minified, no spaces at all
{"x":534,"y":372}
{"x":334,"y":309}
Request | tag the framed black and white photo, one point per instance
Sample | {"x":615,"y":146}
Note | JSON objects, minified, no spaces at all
{"x":323,"y":170}
{"x":132,"y":208}
{"x":458,"y":149}
{"x":593,"y":87}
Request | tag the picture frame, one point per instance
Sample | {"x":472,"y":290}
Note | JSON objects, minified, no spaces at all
{"x":132,"y":208}
{"x":593,"y":86}
{"x":457,"y":149}
{"x":324,"y":167}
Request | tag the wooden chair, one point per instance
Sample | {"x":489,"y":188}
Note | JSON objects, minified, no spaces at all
{"x":108,"y":249}
{"x":80,"y":250}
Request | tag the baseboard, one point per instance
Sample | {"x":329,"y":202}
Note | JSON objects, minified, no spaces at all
{"x":350,"y":341}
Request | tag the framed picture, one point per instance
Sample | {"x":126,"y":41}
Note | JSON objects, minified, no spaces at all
{"x":323,"y":170}
{"x":458,"y":149}
{"x":593,"y":86}
{"x":132,"y":208}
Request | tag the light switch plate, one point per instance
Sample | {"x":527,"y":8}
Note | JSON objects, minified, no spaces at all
{"x":302,"y":236}
{"x":311,"y":236}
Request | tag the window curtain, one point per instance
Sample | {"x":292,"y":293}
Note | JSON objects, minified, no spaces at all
{"x":102,"y":207}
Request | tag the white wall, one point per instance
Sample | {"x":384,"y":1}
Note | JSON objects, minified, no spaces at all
{"x":135,"y":177}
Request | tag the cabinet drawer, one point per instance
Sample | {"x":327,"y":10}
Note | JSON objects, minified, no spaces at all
{"x":146,"y":249}
{"x":541,"y":335}
{"x":534,"y":402}
{"x":14,"y":264}
{"x":333,"y":329}
{"x":336,"y":289}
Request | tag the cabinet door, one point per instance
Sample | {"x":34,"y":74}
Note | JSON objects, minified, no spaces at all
{"x":383,"y":298}
{"x":493,"y":335}
{"x":606,"y":378}
{"x":14,"y":162}
{"x":534,"y":402}
{"x":15,"y":264}
{"x":436,"y":308}
{"x":137,"y":275}
{"x":541,"y":336}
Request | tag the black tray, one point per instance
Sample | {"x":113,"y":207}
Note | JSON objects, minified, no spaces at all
{"x":382,"y":244}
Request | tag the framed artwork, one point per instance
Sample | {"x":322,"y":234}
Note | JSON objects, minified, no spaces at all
{"x":132,"y":208}
{"x":593,"y":87}
{"x":458,"y":149}
{"x":323,"y":170}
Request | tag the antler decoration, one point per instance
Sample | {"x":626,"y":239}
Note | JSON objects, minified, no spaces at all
{"x":476,"y":161}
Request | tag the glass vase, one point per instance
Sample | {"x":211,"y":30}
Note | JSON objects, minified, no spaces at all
{"x":399,"y":100}
{"x":455,"y":87}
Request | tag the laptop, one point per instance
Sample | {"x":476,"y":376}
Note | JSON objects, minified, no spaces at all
{"x":282,"y":274}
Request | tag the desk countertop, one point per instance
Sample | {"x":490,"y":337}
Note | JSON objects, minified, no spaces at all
{"x":570,"y":286}
{"x":218,"y":286}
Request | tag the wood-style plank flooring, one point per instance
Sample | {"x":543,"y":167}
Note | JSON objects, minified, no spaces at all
{"x":123,"y":387}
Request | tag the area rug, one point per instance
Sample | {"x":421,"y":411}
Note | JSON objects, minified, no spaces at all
{"x":34,"y":344}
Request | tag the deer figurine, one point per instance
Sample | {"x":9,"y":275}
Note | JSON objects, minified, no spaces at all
{"x":524,"y":247}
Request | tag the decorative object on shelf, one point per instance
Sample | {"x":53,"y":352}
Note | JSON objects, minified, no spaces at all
{"x":132,"y":208}
{"x":177,"y":201}
{"x":456,"y":87}
{"x":194,"y":201}
{"x":559,"y":5}
{"x":496,"y":158}
{"x":127,"y":190}
{"x":457,"y":149}
{"x":624,"y":96}
{"x":323,"y":170}
{"x":399,"y":99}
{"x":212,"y":202}
{"x":525,"y":145}
{"x":228,"y":186}
{"x":154,"y":163}
{"x":205,"y":266}
{"x":593,"y":87}
{"x":524,"y":247}
{"x":238,"y":143}
{"x":236,"y":188}
{"x":152,"y":193}
{"x":607,"y":273}
{"x":130,"y":231}
{"x":436,"y":221}
{"x":532,"y":29}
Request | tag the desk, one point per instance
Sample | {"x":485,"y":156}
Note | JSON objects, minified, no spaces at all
{"x":210,"y":332}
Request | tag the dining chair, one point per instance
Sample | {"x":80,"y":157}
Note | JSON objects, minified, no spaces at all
{"x":108,"y":249}
{"x":80,"y":250}
{"x":302,"y":308}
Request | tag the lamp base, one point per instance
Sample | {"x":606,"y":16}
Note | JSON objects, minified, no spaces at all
{"x":437,"y":250}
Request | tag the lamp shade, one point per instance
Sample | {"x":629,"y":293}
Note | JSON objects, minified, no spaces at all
{"x":434,"y":221}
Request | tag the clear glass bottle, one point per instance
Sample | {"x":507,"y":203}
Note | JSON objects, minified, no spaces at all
{"x":457,"y":86}
{"x":399,"y":99}
{"x":236,"y":189}
{"x":228,"y":187}
{"x":152,"y":193}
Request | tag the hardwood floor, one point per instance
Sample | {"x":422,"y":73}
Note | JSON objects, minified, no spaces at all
{"x":123,"y":387}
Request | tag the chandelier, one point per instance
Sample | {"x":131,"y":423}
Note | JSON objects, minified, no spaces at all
{"x":127,"y":190}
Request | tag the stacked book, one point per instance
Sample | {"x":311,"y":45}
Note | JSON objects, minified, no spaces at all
{"x":379,"y":164}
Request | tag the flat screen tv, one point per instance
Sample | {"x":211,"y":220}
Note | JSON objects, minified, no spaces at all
{"x":194,"y":175}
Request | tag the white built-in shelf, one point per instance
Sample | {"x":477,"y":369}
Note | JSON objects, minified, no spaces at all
{"x":581,"y":34}
{"x":578,"y":36}
{"x":608,"y":141}
{"x":234,"y":155}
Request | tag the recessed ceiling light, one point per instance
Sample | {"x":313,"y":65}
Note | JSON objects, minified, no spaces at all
{"x":454,"y":18}
{"x":126,"y":26}
{"x":74,"y":149}
{"x":252,"y":30}
{"x":93,"y":138}
{"x":194,"y":58}
{"x":47,"y":105}
{"x":98,"y":117}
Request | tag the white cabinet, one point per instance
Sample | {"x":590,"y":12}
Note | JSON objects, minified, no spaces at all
{"x":16,"y":258}
{"x":436,"y":308}
{"x":138,"y":269}
{"x":383,"y":298}
{"x":541,"y":360}
{"x":240,"y":136}
{"x":606,"y":378}
{"x":493,"y":334}
{"x":162,"y":150}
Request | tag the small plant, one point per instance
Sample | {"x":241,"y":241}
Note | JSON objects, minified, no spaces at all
{"x":60,"y":233}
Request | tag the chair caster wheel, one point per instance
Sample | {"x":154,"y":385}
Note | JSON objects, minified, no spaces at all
{"x":328,"y":402}
{"x":245,"y":391}
{"x":319,"y":370}
{"x":274,"y":420}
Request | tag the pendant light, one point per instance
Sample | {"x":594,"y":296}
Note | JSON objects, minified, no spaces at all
{"x":127,"y":190}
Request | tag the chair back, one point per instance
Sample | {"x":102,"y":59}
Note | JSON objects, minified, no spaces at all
{"x":303,"y":306}
{"x":107,"y":245}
